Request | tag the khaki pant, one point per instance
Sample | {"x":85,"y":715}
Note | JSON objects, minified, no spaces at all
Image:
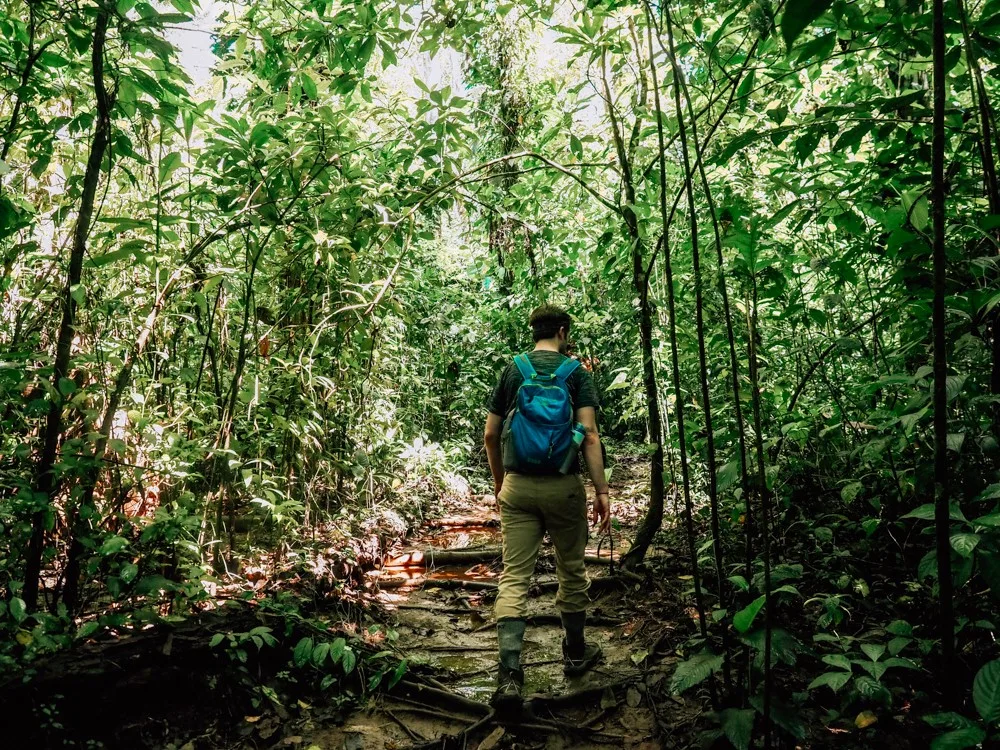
{"x":530,"y":506}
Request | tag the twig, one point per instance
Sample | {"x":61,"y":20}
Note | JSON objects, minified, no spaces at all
{"x":411,"y":733}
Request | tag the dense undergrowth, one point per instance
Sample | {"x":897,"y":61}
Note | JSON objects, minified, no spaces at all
{"x":255,"y":315}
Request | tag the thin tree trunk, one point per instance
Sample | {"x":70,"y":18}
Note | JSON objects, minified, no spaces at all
{"x":946,"y":626}
{"x":765,"y":501}
{"x":713,"y":495}
{"x":640,"y":282}
{"x":990,"y":180}
{"x":46,"y":482}
{"x":644,"y":537}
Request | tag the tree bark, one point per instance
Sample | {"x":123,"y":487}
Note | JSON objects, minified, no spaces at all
{"x":713,"y":495}
{"x":46,"y":482}
{"x":640,"y":283}
{"x":942,"y":521}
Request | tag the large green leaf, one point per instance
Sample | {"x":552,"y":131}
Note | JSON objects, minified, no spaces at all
{"x":959,"y":739}
{"x":303,"y":651}
{"x":986,"y":692}
{"x":693,"y":671}
{"x":798,"y":15}
{"x":737,"y":725}
{"x":833,"y":680}
{"x":743,"y":619}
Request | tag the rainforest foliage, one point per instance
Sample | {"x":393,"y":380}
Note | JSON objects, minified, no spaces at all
{"x":241,"y":307}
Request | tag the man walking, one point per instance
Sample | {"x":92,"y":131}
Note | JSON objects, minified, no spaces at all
{"x":538,"y":491}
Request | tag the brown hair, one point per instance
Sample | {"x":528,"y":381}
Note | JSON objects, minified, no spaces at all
{"x":546,"y":321}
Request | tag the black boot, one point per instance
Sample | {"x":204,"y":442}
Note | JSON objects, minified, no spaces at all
{"x":578,"y":655}
{"x":507,"y":697}
{"x":510,"y":676}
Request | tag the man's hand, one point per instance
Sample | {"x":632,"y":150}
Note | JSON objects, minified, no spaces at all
{"x":601,"y":514}
{"x":497,"y":486}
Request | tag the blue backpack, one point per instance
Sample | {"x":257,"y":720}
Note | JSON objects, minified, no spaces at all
{"x":539,"y":435}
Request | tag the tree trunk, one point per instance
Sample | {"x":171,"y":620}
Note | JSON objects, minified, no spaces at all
{"x":46,"y":483}
{"x":946,"y":626}
{"x":713,"y":498}
{"x":640,"y":283}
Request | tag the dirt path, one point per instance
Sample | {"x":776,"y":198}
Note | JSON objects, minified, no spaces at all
{"x":445,"y":623}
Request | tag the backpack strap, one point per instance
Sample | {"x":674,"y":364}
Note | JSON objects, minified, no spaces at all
{"x":566,"y":369}
{"x":525,"y":367}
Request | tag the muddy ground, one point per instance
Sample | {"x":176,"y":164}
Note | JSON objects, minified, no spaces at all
{"x":442,"y":610}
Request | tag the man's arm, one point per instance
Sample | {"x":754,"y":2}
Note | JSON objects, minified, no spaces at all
{"x":494,"y":427}
{"x":587,"y":416}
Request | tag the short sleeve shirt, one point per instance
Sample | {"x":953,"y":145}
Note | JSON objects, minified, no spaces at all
{"x":581,"y":386}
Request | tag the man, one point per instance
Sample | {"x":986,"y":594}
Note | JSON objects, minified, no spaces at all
{"x":531,"y":504}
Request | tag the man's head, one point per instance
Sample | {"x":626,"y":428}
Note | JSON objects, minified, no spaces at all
{"x":551,"y":322}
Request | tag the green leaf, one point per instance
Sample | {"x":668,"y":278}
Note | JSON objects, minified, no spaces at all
{"x":320,"y":653}
{"x":926,"y":513}
{"x":349,"y":660}
{"x":216,"y":640}
{"x":18,"y":609}
{"x":850,"y":491}
{"x":107,"y":258}
{"x":872,"y":689}
{"x":902,"y":663}
{"x":986,"y":692}
{"x":798,"y":15}
{"x":898,"y":643}
{"x":743,"y":619}
{"x":88,"y":629}
{"x":739,"y":582}
{"x":78,"y":293}
{"x":990,"y":493}
{"x":838,"y":660}
{"x":303,"y":650}
{"x":949,"y":720}
{"x":168,"y":164}
{"x":113,"y":544}
{"x":693,"y":671}
{"x":955,"y":440}
{"x":576,"y":147}
{"x":899,"y":627}
{"x":66,"y":386}
{"x":953,"y":385}
{"x":833,"y":680}
{"x":873,"y":651}
{"x":309,"y":86}
{"x":154,"y":585}
{"x":964,"y":544}
{"x":993,"y":519}
{"x":397,"y":675}
{"x":959,"y":739}
{"x":737,"y":725}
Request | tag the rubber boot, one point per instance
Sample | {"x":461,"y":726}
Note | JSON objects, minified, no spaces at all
{"x":578,"y":655}
{"x":510,"y":676}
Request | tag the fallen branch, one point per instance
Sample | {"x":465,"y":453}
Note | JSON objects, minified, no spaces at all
{"x":411,"y":733}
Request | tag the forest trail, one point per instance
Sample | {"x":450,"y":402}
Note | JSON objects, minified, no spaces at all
{"x":439,"y":586}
